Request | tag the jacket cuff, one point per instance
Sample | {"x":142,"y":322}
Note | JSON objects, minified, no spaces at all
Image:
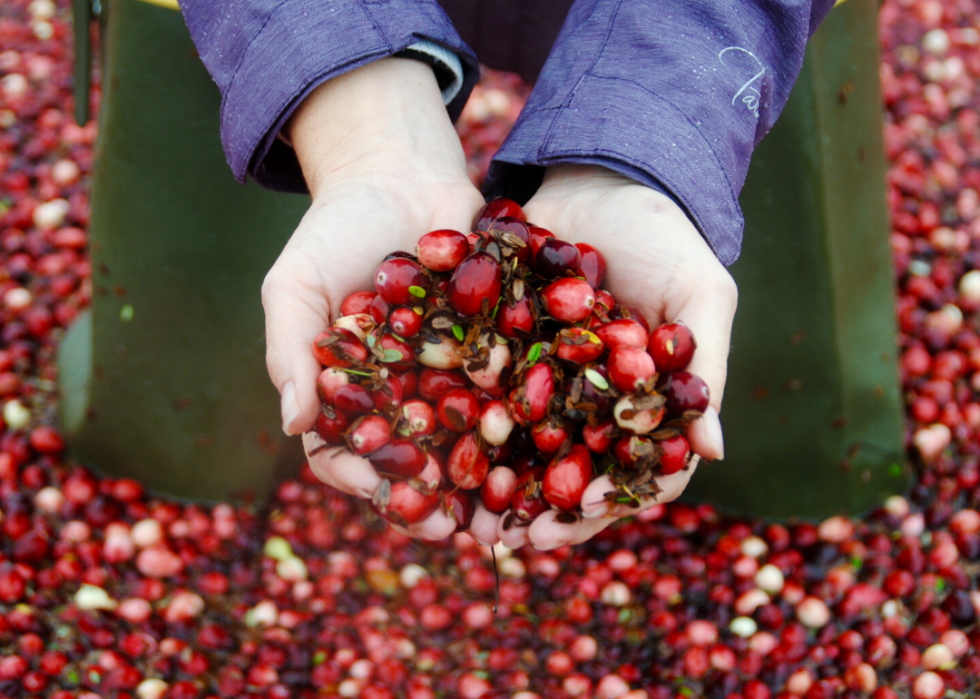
{"x":445,"y":63}
{"x":604,"y":117}
{"x":309,"y":43}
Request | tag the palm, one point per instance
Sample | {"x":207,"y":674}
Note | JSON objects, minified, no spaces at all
{"x":659,"y":265}
{"x":334,"y":252}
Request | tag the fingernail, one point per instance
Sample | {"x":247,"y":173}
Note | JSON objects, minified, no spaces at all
{"x":595,"y":510}
{"x":713,"y":427}
{"x":290,"y":408}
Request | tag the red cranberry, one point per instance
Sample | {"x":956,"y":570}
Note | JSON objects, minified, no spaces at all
{"x":475,"y":285}
{"x":400,"y":281}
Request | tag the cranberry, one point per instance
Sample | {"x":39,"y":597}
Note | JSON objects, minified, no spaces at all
{"x":569,"y":300}
{"x":684,"y":391}
{"x":443,"y":250}
{"x":556,"y":258}
{"x":475,"y":285}
{"x":498,"y":208}
{"x":566,"y":479}
{"x":458,"y":410}
{"x":400,"y":281}
{"x":399,"y":458}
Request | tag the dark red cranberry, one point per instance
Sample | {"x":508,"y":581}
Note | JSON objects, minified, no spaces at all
{"x":399,"y":458}
{"x":556,"y":258}
{"x":475,"y":285}
{"x":400,"y":281}
{"x":684,"y":391}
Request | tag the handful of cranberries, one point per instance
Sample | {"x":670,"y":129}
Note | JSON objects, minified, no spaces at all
{"x":493,"y":365}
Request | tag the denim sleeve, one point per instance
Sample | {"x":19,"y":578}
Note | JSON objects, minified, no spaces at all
{"x":267,"y":55}
{"x":672,"y":93}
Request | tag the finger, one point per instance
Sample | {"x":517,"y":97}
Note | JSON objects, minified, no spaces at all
{"x":291,"y":324}
{"x":483,"y":526}
{"x":595,"y":505}
{"x":705,"y":435}
{"x":340,"y":469}
{"x":547,"y":533}
{"x":514,"y":537}
{"x":436,"y":526}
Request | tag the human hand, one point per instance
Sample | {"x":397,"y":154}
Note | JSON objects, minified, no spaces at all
{"x":384,"y":166}
{"x":659,"y":264}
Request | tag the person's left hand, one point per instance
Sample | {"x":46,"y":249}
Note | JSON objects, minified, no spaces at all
{"x":659,"y":264}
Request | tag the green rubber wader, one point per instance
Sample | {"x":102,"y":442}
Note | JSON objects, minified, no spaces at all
{"x":164,"y":381}
{"x":812,"y":411}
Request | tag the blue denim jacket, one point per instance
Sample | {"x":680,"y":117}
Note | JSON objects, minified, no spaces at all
{"x":672,"y":93}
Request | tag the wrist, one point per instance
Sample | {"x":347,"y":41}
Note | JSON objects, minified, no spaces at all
{"x":383,"y":117}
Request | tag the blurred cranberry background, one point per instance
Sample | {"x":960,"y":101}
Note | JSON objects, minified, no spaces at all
{"x":105,"y":592}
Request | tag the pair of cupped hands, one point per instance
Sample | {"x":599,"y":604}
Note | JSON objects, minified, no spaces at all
{"x":384,"y":166}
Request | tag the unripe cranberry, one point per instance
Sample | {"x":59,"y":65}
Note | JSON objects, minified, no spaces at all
{"x":498,"y":489}
{"x":677,"y":453}
{"x":359,"y":324}
{"x":600,"y":437}
{"x":569,"y":300}
{"x":405,"y":321}
{"x":329,"y":381}
{"x":566,"y":479}
{"x":443,"y":250}
{"x":636,"y":420}
{"x":467,"y":466}
{"x":400,"y":281}
{"x":684,"y":391}
{"x":441,"y":354}
{"x":491,"y":374}
{"x":516,"y":322}
{"x":418,"y":419}
{"x":498,"y":208}
{"x":496,"y":423}
{"x":358,"y":302}
{"x":458,"y":410}
{"x":407,"y":503}
{"x":630,"y":368}
{"x":434,"y":383}
{"x":399,"y":458}
{"x":579,"y":345}
{"x":338,"y":347}
{"x":592,"y":266}
{"x":672,"y":346}
{"x":474,"y":285}
{"x":530,"y":401}
{"x":331,"y":425}
{"x":458,"y":504}
{"x":369,"y":434}
{"x":528,"y":501}
{"x":557,"y":258}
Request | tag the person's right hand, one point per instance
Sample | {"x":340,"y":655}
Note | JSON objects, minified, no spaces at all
{"x":384,"y":166}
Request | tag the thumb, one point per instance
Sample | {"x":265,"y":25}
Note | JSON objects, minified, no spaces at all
{"x":291,"y":325}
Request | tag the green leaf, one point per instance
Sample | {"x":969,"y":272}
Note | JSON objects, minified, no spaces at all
{"x":895,"y":471}
{"x":319,"y":658}
{"x":392,"y":355}
{"x":596,"y":379}
{"x":686,"y":691}
{"x":458,"y":332}
{"x":417,"y":292}
{"x":940,"y":585}
{"x":624,"y":615}
{"x":534,"y":354}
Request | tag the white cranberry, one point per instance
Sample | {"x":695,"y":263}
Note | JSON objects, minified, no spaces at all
{"x":928,"y":685}
{"x":750,"y":600}
{"x":836,"y":530}
{"x":936,"y":42}
{"x":146,"y":533}
{"x":134,"y":610}
{"x":18,"y":298}
{"x":754,"y":547}
{"x":743,"y":626}
{"x":812,"y":612}
{"x":443,"y":355}
{"x":897,"y":506}
{"x":51,"y":214}
{"x":152,"y":688}
{"x":49,"y":499}
{"x":264,"y":613}
{"x":411,"y":575}
{"x":90,"y":597}
{"x":938,"y":657}
{"x":615,"y":593}
{"x":292,"y":569}
{"x":612,"y":687}
{"x":799,"y":682}
{"x":183,"y":607}
{"x":16,"y":415}
{"x":769,"y":579}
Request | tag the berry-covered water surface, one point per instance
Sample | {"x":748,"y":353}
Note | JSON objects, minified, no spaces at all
{"x":105,"y":592}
